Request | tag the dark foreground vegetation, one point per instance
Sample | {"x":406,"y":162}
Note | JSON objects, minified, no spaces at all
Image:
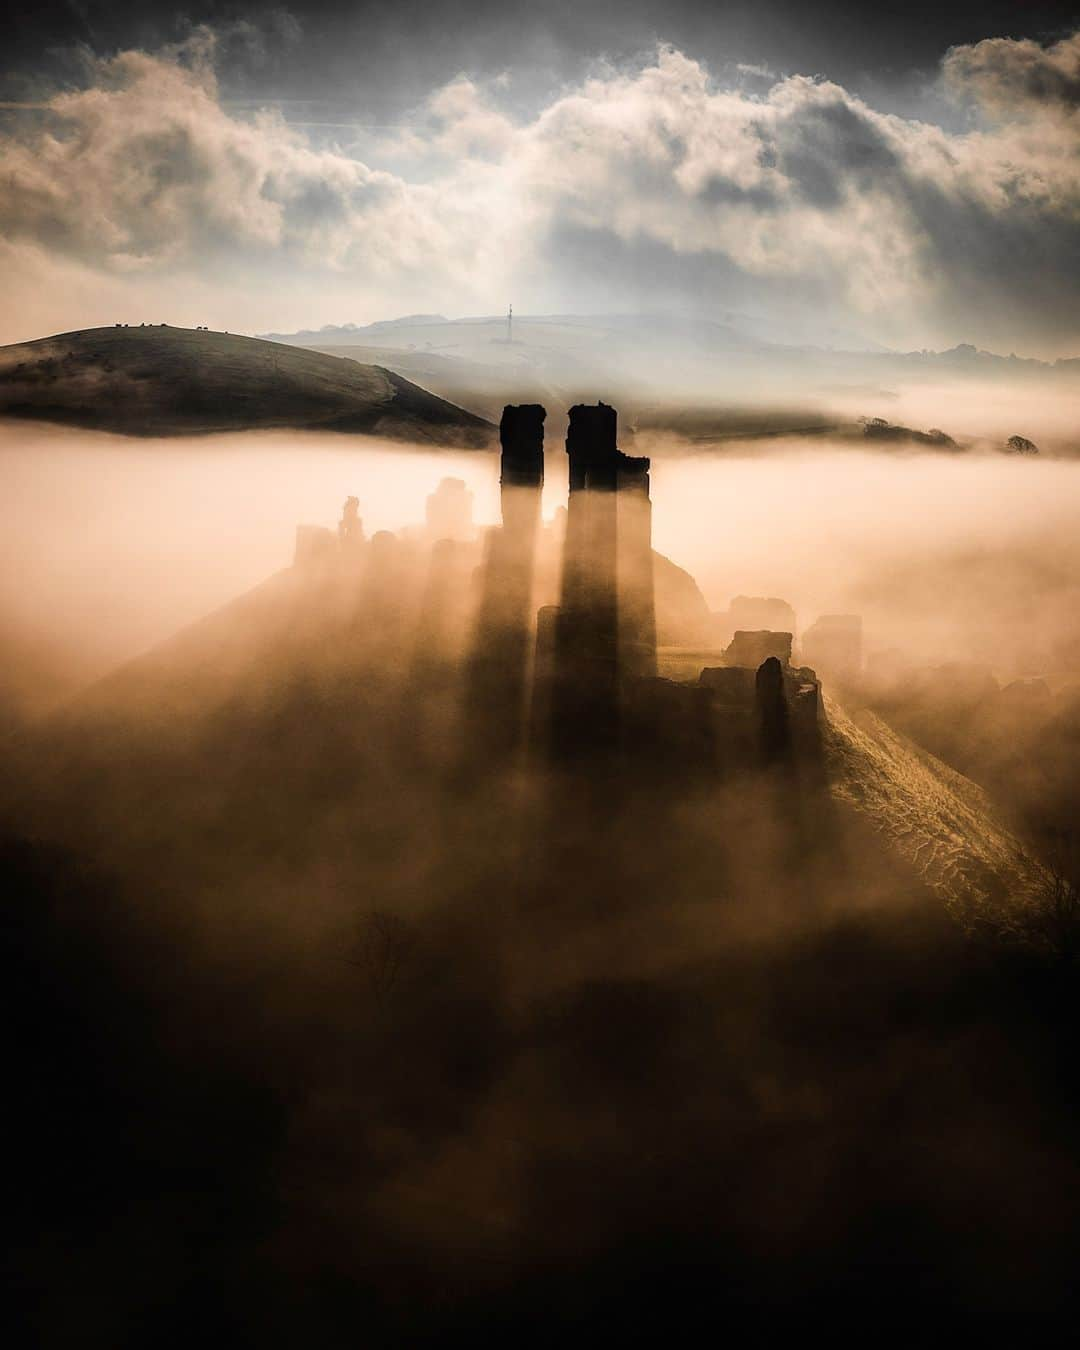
{"x":471,"y":1124}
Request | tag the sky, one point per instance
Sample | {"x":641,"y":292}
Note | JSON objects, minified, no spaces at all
{"x":909,"y":174}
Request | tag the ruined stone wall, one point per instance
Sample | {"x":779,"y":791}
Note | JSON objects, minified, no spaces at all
{"x":752,"y":648}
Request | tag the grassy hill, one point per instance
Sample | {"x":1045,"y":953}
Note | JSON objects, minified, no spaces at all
{"x":161,"y":381}
{"x":931,"y":818}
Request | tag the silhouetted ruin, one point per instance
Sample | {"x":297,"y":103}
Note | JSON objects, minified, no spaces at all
{"x":449,"y":511}
{"x":521,"y":436}
{"x":575,"y":682}
{"x":774,"y":734}
{"x":351,"y":528}
{"x":605,"y":630}
{"x":498,"y":669}
{"x":751,"y":649}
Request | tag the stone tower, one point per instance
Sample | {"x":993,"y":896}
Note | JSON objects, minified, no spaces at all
{"x":605,"y":630}
{"x":499,"y":659}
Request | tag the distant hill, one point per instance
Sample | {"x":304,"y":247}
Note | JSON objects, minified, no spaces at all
{"x":559,"y":360}
{"x":724,"y":330}
{"x":162,"y":381}
{"x":711,"y":380}
{"x":676,"y":337}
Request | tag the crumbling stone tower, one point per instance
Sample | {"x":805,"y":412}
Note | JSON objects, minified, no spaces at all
{"x":498,"y":667}
{"x":605,"y":629}
{"x":521,"y":435}
{"x":774,"y":733}
{"x":588,"y":627}
{"x":521,"y":483}
{"x":351,"y":531}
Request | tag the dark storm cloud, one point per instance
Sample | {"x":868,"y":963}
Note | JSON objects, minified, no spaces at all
{"x":395,"y":53}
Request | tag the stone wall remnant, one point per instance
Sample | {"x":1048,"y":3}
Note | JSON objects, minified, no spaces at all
{"x":449,"y":511}
{"x":752,"y":648}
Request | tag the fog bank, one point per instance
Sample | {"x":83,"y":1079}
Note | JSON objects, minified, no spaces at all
{"x":108,"y":545}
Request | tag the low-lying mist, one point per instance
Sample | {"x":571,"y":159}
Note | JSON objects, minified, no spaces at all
{"x":976,"y":411}
{"x":946,"y":557}
{"x":336,"y":1009}
{"x":108,"y":545}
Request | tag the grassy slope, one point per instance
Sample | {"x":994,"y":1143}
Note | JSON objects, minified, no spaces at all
{"x":941,"y":823}
{"x":170,"y":381}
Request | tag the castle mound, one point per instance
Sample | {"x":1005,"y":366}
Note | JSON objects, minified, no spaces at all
{"x":161,"y":381}
{"x":298,"y":694}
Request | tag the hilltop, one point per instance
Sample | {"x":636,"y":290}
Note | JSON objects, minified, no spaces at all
{"x":162,"y":381}
{"x":683,"y":345}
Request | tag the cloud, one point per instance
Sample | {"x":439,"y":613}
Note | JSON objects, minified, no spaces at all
{"x":462,"y":123}
{"x":1011,"y":78}
{"x":801,"y":189}
{"x":895,"y":218}
{"x":756,"y":72}
{"x":145,"y":168}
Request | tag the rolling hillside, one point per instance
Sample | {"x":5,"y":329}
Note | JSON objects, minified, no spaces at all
{"x":931,"y":818}
{"x":712,"y":381}
{"x":160,"y":381}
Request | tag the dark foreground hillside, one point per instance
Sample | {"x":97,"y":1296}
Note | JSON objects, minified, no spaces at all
{"x":160,"y":381}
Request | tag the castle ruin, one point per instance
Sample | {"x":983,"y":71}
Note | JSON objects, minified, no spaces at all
{"x":560,"y":661}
